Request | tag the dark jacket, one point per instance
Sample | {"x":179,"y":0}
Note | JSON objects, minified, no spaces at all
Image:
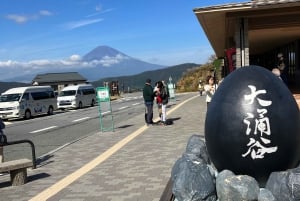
{"x":164,"y":95}
{"x":2,"y":126}
{"x":148,"y":93}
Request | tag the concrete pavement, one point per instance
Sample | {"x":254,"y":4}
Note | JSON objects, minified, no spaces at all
{"x":133,"y":163}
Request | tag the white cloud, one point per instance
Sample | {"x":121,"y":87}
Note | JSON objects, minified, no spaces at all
{"x":99,"y":10}
{"x":41,"y":62}
{"x":75,"y":57}
{"x":45,"y":13}
{"x":81,"y":23}
{"x":8,"y":63}
{"x":21,"y":19}
{"x":107,"y":10}
{"x":107,"y":61}
{"x":18,"y":18}
{"x":16,"y":68}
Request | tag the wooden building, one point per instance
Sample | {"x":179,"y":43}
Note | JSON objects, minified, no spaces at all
{"x":59,"y":80}
{"x":253,"y":33}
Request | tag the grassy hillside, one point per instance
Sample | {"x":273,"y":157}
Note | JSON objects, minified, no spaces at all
{"x":136,"y":82}
{"x":190,"y":80}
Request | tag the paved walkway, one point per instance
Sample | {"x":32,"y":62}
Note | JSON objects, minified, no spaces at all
{"x":131,"y":164}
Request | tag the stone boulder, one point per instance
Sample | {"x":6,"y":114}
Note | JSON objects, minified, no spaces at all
{"x":285,"y":185}
{"x":265,"y":195}
{"x":193,"y":178}
{"x":232,"y":187}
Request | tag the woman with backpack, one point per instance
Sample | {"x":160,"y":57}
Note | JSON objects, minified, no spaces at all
{"x":162,"y":96}
{"x":158,"y":99}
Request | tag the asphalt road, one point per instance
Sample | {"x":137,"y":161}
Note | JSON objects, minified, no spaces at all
{"x":51,"y":133}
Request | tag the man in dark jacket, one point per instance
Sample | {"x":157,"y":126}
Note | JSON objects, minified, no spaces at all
{"x":2,"y":126}
{"x":148,"y":100}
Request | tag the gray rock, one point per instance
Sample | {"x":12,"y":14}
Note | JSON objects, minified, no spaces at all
{"x":196,"y":179}
{"x":265,"y":195}
{"x":196,"y":152}
{"x":178,"y":167}
{"x":193,"y":178}
{"x":294,"y":183}
{"x":197,"y":147}
{"x":285,"y":185}
{"x":213,"y":170}
{"x":193,"y":182}
{"x":223,"y":175}
{"x":236,"y":187}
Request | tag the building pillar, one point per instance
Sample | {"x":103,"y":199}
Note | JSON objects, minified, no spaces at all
{"x":242,"y":43}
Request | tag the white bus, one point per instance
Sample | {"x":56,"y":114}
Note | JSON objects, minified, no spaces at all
{"x":77,"y":96}
{"x":27,"y":102}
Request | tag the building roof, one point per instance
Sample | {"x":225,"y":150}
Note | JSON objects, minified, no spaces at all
{"x":271,"y":23}
{"x":58,"y":77}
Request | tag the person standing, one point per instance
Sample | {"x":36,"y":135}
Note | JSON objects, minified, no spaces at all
{"x":282,"y":67}
{"x":276,"y":72}
{"x":164,"y":96}
{"x":148,"y":96}
{"x":210,"y":88}
{"x":158,"y":99}
{"x":2,"y":126}
{"x":200,"y":87}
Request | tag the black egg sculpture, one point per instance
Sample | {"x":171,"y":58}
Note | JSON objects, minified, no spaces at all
{"x":252,"y":124}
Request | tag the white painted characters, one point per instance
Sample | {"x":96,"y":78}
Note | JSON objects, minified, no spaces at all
{"x":258,"y":141}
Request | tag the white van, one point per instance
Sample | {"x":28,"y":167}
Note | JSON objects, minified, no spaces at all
{"x":77,"y":96}
{"x":27,"y":101}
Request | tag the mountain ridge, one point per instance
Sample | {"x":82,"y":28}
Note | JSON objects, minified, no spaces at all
{"x":102,"y":61}
{"x":101,"y":51}
{"x":134,"y":82}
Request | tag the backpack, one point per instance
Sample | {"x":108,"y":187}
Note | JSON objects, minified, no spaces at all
{"x":163,"y":93}
{"x":169,"y":122}
{"x":158,"y":99}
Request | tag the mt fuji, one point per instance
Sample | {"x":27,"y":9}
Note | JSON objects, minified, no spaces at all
{"x":101,"y":62}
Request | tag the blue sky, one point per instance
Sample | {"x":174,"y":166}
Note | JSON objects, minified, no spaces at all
{"x":37,"y":32}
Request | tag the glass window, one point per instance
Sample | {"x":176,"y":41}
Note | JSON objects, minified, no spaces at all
{"x":25,"y":96}
{"x":67,"y":93}
{"x":10,"y":97}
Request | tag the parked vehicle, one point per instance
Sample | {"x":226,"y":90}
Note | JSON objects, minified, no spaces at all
{"x":77,"y":96}
{"x":27,"y":102}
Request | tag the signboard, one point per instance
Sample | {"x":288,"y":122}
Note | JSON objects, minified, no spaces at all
{"x":103,"y":94}
{"x":171,"y":90}
{"x":104,"y":106}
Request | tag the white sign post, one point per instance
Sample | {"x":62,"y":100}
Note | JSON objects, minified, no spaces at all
{"x":104,"y":106}
{"x":171,"y":88}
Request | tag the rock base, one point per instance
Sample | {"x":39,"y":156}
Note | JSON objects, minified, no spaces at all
{"x":195,"y":178}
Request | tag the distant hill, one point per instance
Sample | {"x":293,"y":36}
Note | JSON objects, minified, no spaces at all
{"x":136,"y":82}
{"x":7,"y":85}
